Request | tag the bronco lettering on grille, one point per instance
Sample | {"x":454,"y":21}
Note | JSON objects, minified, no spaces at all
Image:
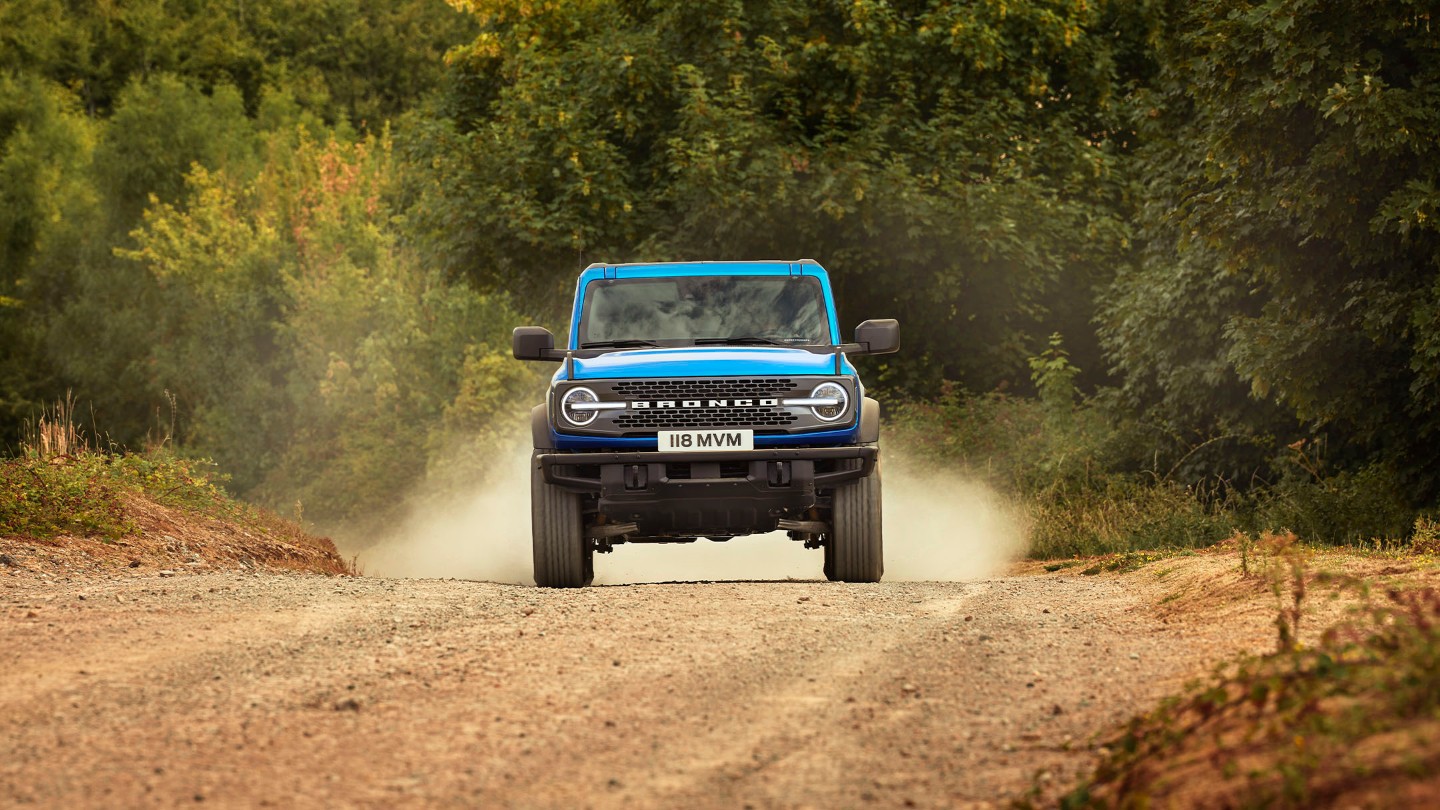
{"x":651,"y":404}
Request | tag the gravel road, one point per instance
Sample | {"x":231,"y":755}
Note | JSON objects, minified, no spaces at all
{"x":301,"y":690}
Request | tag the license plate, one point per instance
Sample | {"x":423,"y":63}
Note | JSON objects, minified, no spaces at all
{"x":683,"y":441}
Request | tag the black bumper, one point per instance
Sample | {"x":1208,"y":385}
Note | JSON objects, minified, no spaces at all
{"x":707,"y":494}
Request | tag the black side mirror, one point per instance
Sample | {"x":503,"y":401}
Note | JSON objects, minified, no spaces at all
{"x":879,"y":336}
{"x":533,"y":343}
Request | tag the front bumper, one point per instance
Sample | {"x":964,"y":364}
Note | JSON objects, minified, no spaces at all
{"x":708,"y":494}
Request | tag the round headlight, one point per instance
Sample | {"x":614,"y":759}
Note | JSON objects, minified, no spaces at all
{"x":831,"y":391}
{"x":573,"y":397}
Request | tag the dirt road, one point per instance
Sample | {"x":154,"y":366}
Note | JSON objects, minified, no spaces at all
{"x":301,"y":690}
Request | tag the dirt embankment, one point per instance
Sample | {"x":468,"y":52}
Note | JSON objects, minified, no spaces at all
{"x":252,"y":689}
{"x":172,"y":539}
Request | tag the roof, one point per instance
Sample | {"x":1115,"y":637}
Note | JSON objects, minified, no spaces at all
{"x":798,"y":267}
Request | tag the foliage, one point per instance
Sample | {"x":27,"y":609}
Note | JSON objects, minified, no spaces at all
{"x":46,"y":145}
{"x":1081,"y":475}
{"x":84,"y":492}
{"x":267,"y":292}
{"x":1290,"y":238}
{"x":951,"y":162}
{"x":62,"y":485}
{"x":344,"y":59}
{"x":103,"y":107}
{"x":1094,"y":484}
{"x":1126,"y":515}
{"x":1054,"y":378}
{"x":80,"y":496}
{"x":1342,"y":508}
{"x":1233,"y":199}
{"x":317,"y":359}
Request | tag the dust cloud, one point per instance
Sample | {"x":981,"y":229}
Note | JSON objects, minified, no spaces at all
{"x":483,"y":535}
{"x":941,"y":527}
{"x":938,"y":527}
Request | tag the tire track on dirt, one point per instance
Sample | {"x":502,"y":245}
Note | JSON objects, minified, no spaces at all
{"x":784,"y":718}
{"x":305,"y":691}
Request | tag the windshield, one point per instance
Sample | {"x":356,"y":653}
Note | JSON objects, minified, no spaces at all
{"x":786,"y":310}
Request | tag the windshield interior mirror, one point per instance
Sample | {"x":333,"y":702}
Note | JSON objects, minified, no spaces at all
{"x":879,"y":336}
{"x":533,"y":343}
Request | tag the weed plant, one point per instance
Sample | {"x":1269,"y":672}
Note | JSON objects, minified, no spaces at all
{"x":61,"y":483}
{"x":1303,"y":726}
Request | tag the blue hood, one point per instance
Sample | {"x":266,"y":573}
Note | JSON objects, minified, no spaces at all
{"x":708,"y":361}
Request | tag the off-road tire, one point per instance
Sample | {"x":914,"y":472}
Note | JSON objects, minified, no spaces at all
{"x":564,"y":558}
{"x":854,"y":550}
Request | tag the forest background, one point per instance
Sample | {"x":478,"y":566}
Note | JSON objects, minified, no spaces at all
{"x":1166,"y":270}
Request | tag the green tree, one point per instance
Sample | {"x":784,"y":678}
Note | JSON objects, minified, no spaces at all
{"x":954,"y":164}
{"x":101,"y":317}
{"x":46,"y":149}
{"x":344,"y":59}
{"x":312,"y":354}
{"x":1294,"y":156}
{"x":104,"y":106}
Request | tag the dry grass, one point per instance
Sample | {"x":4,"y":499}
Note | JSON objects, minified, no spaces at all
{"x":55,"y":434}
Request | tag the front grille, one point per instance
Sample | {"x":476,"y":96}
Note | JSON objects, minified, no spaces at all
{"x":741,"y":387}
{"x":683,"y":418}
{"x":699,"y":403}
{"x":704,"y":389}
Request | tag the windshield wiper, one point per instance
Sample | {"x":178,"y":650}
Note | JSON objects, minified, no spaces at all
{"x":618,"y":344}
{"x":739,"y":341}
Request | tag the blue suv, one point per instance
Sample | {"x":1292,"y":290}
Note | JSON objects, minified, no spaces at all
{"x":705,"y":399}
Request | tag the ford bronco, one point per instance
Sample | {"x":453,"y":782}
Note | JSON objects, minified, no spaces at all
{"x":705,"y":400}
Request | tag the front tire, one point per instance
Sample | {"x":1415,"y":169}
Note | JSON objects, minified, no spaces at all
{"x":564,"y":557}
{"x":854,"y":551}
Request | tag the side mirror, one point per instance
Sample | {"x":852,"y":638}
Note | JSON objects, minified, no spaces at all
{"x":879,"y":336}
{"x":532,"y":343}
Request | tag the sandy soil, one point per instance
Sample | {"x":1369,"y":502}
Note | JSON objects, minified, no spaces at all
{"x":276,"y":689}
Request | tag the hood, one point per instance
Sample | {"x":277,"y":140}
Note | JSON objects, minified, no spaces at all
{"x":709,"y":361}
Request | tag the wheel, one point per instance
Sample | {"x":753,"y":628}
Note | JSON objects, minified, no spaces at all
{"x":854,"y":551}
{"x":564,"y":558}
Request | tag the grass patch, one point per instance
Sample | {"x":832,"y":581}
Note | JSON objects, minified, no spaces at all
{"x":83,"y":494}
{"x":61,"y":485}
{"x":1090,"y":483}
{"x":1122,"y":516}
{"x":1070,"y":466}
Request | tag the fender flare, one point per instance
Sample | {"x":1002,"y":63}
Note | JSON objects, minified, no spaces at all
{"x":870,"y":421}
{"x":540,"y":429}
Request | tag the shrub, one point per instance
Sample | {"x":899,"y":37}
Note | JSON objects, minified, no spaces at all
{"x":1425,"y":539}
{"x":1080,"y":474}
{"x":62,"y":484}
{"x":1123,"y":515}
{"x":83,"y":493}
{"x":1335,"y":509}
{"x":67,"y":495}
{"x":1092,"y":483}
